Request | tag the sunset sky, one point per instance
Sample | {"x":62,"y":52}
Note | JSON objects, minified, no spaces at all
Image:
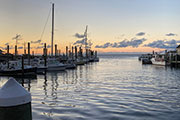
{"x":113,"y":25}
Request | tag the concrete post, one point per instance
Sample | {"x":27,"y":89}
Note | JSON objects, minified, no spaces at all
{"x":15,"y":102}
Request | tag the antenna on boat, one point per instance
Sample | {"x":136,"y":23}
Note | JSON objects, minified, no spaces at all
{"x":52,"y":35}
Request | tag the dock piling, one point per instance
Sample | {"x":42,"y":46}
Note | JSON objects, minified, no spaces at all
{"x":16,"y":50}
{"x":55,"y":50}
{"x":75,"y":52}
{"x":45,"y":55}
{"x":29,"y":53}
{"x":15,"y":102}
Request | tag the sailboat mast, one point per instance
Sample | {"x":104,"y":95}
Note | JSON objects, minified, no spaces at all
{"x":86,"y":37}
{"x":52,"y":35}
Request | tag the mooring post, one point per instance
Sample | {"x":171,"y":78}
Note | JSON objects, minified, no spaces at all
{"x":86,"y":53}
{"x":96,"y":54}
{"x":29,"y":53}
{"x":72,"y":53}
{"x":55,"y":50}
{"x":176,"y":61}
{"x":67,"y":52}
{"x":80,"y":52}
{"x":75,"y":53}
{"x":15,"y":102}
{"x":7,"y":49}
{"x":8,"y":56}
{"x":15,"y":50}
{"x":45,"y":55}
{"x":22,"y":65}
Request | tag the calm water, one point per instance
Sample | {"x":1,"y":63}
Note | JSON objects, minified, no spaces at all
{"x":116,"y":88}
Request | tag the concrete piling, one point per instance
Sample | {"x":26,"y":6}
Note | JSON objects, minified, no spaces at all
{"x":15,"y":102}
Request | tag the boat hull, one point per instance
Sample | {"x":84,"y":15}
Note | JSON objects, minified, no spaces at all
{"x":56,"y":68}
{"x":160,"y":63}
{"x":19,"y":73}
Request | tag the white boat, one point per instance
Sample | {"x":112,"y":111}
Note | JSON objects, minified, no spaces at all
{"x":15,"y":69}
{"x":79,"y":61}
{"x":158,"y":60}
{"x":39,"y":63}
{"x":54,"y":65}
{"x":70,"y":64}
{"x":96,"y":59}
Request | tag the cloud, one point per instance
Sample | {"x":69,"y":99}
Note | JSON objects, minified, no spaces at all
{"x":171,"y":34}
{"x":17,"y":37}
{"x":2,"y":48}
{"x":77,"y":35}
{"x":163,"y":44}
{"x":48,"y":46}
{"x":106,"y":45}
{"x":37,"y":41}
{"x":20,"y":47}
{"x":140,"y":34}
{"x":82,"y":42}
{"x":6,"y":44}
{"x":41,"y":43}
{"x":39,"y":47}
{"x":11,"y":47}
{"x":134,"y":42}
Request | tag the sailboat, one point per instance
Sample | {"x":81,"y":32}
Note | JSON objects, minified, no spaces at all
{"x":14,"y":68}
{"x":52,"y":63}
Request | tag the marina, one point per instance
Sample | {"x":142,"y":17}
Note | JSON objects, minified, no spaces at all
{"x":95,"y":91}
{"x":30,"y":65}
{"x":164,"y":58}
{"x":89,"y":60}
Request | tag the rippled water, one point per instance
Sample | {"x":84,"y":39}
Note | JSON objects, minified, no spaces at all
{"x":117,"y":88}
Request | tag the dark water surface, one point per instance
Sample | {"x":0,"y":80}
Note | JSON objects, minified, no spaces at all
{"x":116,"y":88}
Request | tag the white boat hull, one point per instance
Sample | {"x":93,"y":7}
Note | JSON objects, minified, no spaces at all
{"x":56,"y":68}
{"x":154,"y":62}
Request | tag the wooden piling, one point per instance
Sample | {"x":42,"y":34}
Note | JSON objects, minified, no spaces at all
{"x":7,"y":49}
{"x":22,"y":65}
{"x":8,"y":56}
{"x":67,"y":51}
{"x":72,"y":53}
{"x":81,"y":52}
{"x":56,"y":50}
{"x":95,"y":53}
{"x":45,"y":55}
{"x":176,"y":61}
{"x":15,"y":50}
{"x":86,"y":53}
{"x":29,"y":53}
{"x":75,"y":52}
